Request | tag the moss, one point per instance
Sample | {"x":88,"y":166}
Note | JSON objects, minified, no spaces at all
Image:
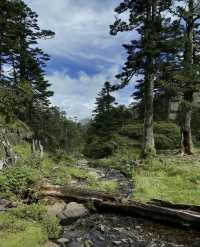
{"x":171,"y":179}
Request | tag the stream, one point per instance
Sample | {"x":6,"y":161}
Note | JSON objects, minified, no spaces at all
{"x":111,"y":230}
{"x":114,"y":230}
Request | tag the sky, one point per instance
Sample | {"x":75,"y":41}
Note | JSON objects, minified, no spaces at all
{"x":83,"y":53}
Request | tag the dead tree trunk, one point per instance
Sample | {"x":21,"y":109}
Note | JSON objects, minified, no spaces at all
{"x":176,"y":214}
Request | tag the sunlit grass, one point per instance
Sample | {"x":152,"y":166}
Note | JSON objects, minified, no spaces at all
{"x":172,"y":179}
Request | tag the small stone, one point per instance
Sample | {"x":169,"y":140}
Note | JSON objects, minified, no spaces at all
{"x":101,"y":238}
{"x":102,"y":228}
{"x":117,"y":243}
{"x":63,"y":241}
{"x":88,"y":243}
{"x":124,"y":241}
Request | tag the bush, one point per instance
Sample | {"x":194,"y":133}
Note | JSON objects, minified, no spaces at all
{"x":162,"y":142}
{"x":167,"y":134}
{"x":99,"y":149}
{"x":134,"y":131}
{"x":19,"y":180}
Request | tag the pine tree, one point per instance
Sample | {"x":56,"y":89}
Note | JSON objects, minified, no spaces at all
{"x":19,"y":52}
{"x":102,"y":122}
{"x":144,"y":54}
{"x":187,"y":64}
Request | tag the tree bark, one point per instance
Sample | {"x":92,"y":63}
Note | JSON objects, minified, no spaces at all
{"x":186,"y":133}
{"x":148,"y":139}
{"x":149,"y":144}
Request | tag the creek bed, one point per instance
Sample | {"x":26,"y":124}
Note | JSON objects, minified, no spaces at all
{"x":113,"y":230}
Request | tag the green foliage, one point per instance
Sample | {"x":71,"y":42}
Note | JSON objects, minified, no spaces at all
{"x":99,"y":148}
{"x":172,"y":179}
{"x":18,"y":180}
{"x":167,"y":134}
{"x":25,"y":86}
{"x":56,"y":131}
{"x":134,"y":131}
{"x":23,"y":151}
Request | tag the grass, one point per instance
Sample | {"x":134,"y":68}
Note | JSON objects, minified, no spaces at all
{"x":172,"y":179}
{"x":78,"y":173}
{"x":104,"y":185}
{"x":92,"y":182}
{"x":122,"y":160}
{"x":27,"y":226}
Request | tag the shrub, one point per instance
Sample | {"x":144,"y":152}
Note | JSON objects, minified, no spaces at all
{"x":162,"y":142}
{"x":99,"y":148}
{"x":167,"y":134}
{"x":19,"y":180}
{"x":134,"y":131}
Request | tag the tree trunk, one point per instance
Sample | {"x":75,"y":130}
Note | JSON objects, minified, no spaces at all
{"x":186,"y":134}
{"x":148,"y":142}
{"x":148,"y":139}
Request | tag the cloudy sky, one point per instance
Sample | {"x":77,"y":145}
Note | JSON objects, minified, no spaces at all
{"x":83,"y":54}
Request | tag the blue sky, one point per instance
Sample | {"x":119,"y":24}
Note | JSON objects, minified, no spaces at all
{"x":83,"y":54}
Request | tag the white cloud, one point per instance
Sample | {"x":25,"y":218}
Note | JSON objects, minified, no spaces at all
{"x":82,"y":37}
{"x":82,"y":28}
{"x":77,"y":95}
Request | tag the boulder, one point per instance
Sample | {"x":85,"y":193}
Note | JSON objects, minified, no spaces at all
{"x":73,"y":211}
{"x":56,"y":208}
{"x":6,"y":204}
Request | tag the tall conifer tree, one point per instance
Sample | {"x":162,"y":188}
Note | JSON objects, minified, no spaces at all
{"x":144,"y":53}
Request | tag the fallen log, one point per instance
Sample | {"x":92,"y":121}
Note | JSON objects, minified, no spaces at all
{"x":113,"y":203}
{"x":162,"y":203}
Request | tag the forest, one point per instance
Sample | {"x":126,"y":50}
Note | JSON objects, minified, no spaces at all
{"x":129,"y":175}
